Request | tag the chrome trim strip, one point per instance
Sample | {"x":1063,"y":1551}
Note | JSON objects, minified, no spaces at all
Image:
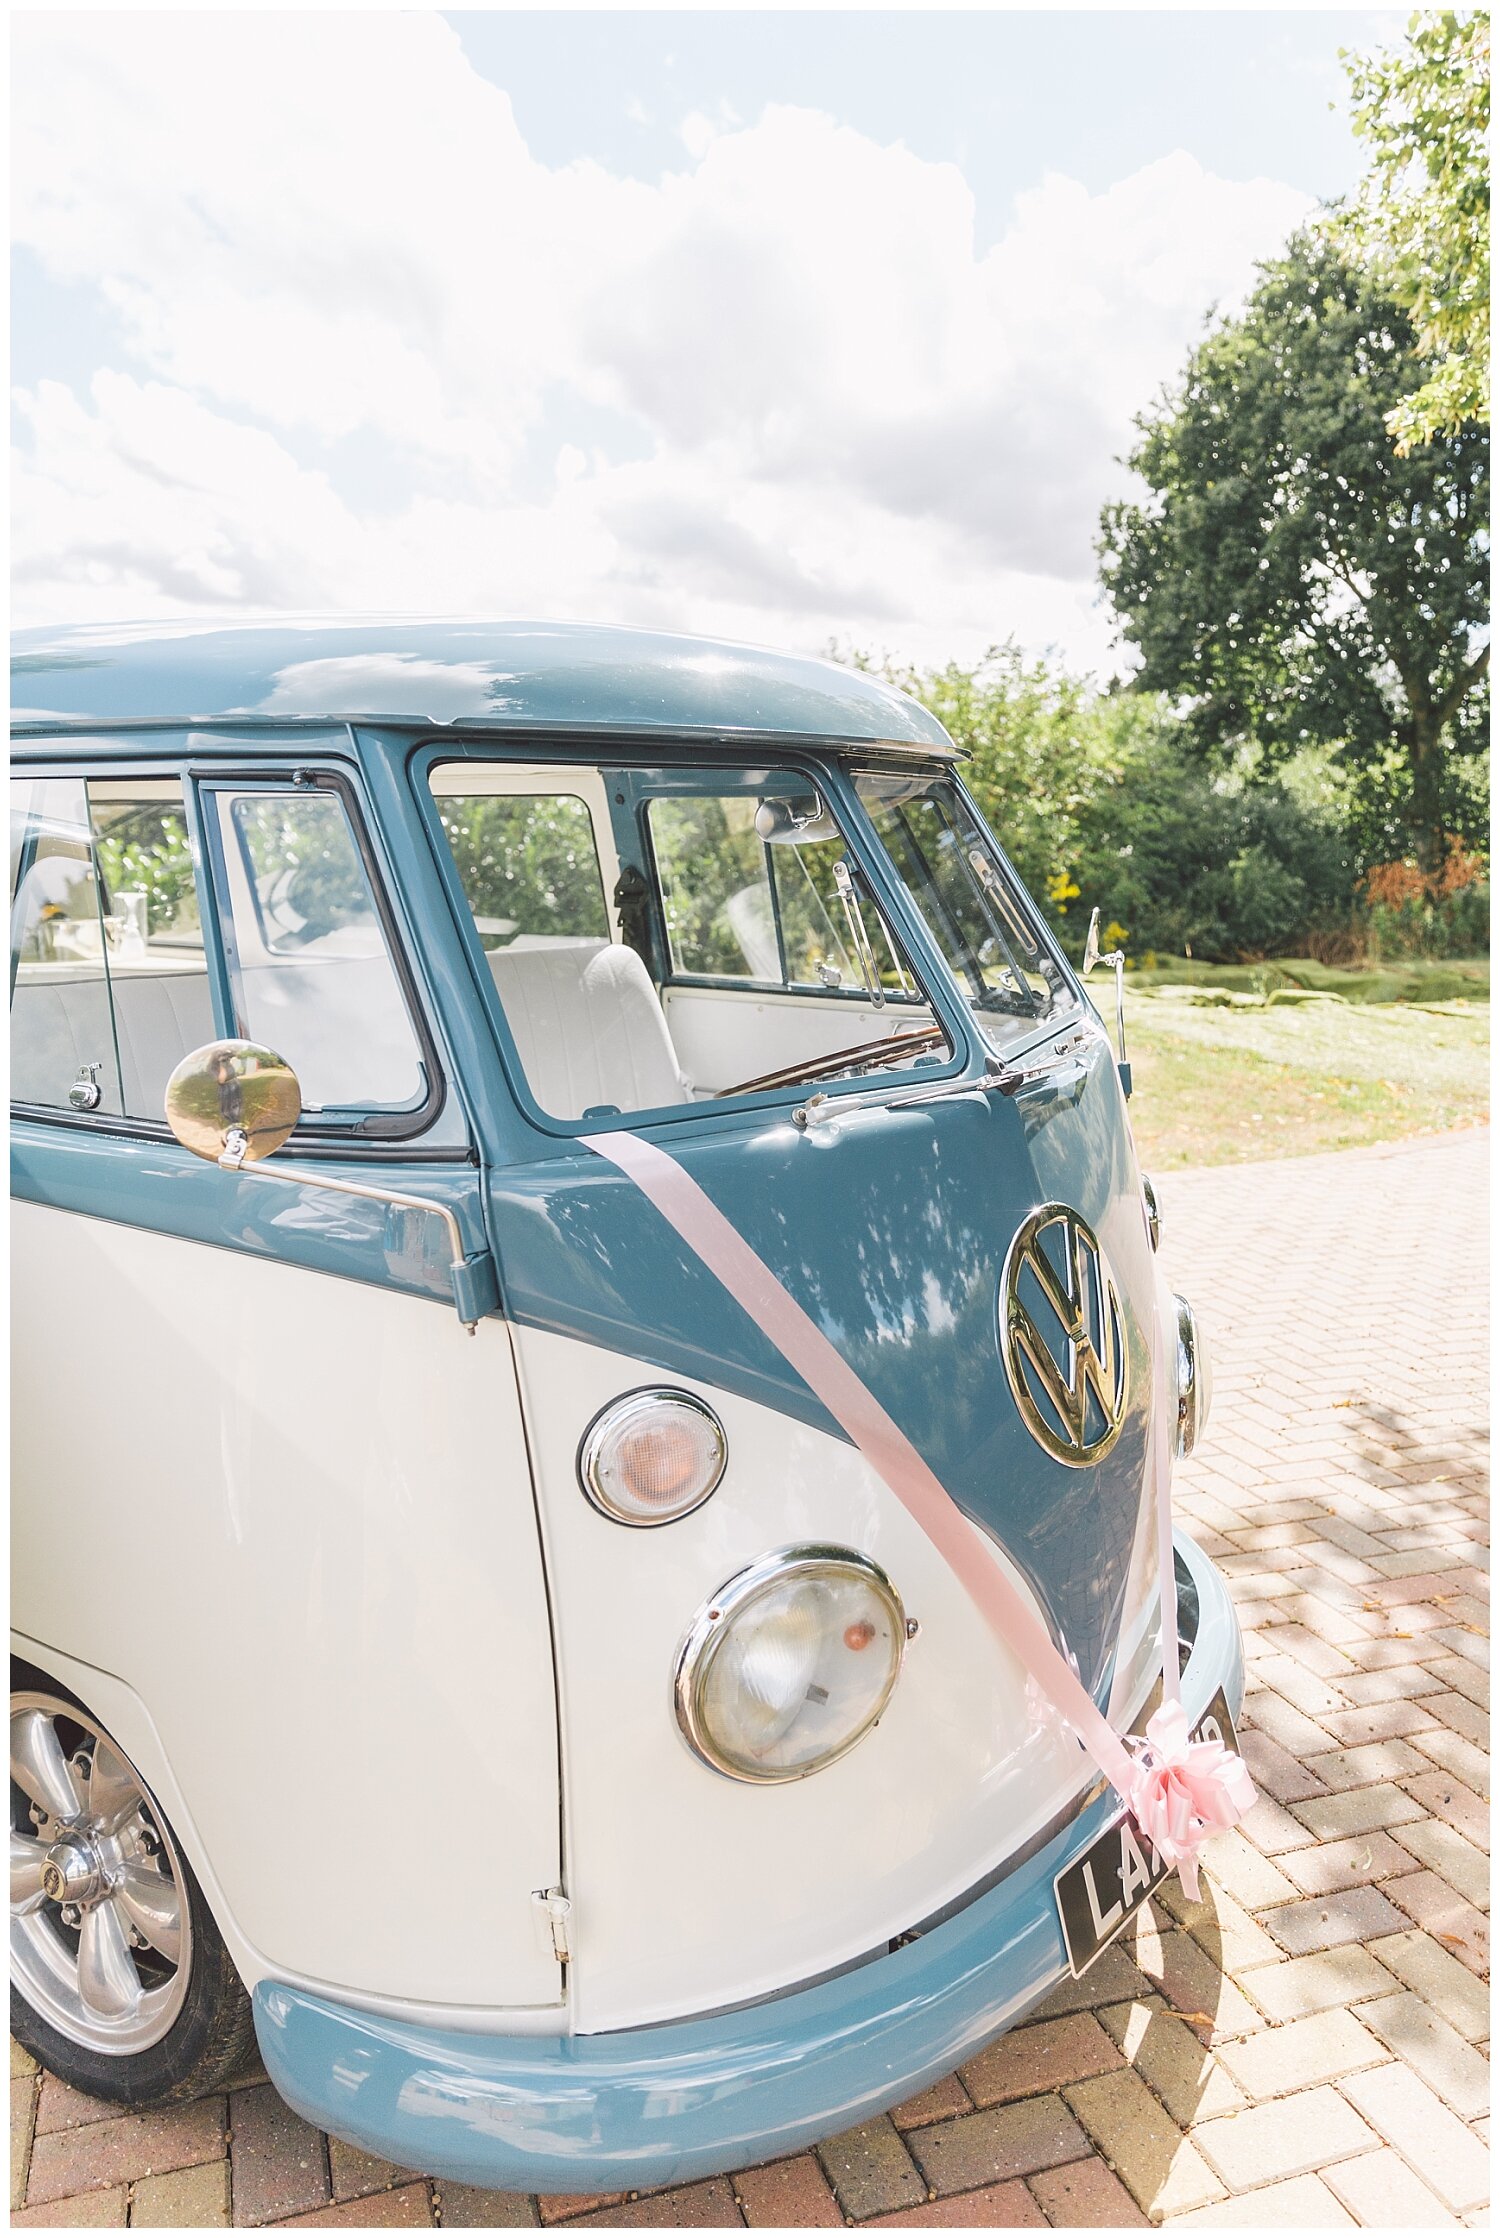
{"x":711,"y":1622}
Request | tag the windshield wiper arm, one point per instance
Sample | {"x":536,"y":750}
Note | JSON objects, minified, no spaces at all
{"x":994,"y":886}
{"x":864,"y":954}
{"x":821,"y":1110}
{"x":997,"y":1077}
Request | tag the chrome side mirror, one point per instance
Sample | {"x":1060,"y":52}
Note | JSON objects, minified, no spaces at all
{"x":233,"y":1101}
{"x":1116,"y":959}
{"x":794,"y":822}
{"x":236,"y":1103}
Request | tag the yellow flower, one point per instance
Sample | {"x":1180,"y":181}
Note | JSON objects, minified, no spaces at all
{"x":1115,"y":935}
{"x":1061,"y":890}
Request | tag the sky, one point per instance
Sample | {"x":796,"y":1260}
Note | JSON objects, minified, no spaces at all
{"x":796,"y":327}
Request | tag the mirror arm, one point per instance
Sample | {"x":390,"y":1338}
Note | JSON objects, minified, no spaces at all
{"x":259,"y":1103}
{"x":1116,"y":960}
{"x":466,"y":1298}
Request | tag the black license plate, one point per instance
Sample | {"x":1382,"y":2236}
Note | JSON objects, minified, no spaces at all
{"x":1104,"y":1887}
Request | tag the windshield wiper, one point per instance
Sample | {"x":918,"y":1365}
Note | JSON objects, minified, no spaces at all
{"x":992,"y":888}
{"x":998,"y":1077}
{"x":821,"y":1110}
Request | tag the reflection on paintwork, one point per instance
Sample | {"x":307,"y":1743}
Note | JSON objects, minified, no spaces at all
{"x":384,"y":684}
{"x":892,"y":1235}
{"x":455,"y":671}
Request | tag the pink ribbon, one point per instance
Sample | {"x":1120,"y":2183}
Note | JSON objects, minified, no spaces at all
{"x":1176,"y":1787}
{"x":1181,"y":1790}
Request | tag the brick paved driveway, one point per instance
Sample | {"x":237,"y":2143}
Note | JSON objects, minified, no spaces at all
{"x":1305,"y":2047}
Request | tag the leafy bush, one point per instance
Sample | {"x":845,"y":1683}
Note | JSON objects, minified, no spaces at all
{"x":1225,"y":869}
{"x":1413,"y":912}
{"x":1099,"y":800}
{"x":1458,"y":926}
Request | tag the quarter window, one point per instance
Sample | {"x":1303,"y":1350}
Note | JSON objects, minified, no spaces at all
{"x":715,"y":889}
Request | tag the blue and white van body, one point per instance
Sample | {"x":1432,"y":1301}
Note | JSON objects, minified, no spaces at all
{"x":321,"y":1565}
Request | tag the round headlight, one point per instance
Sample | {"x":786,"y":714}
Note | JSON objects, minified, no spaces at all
{"x":790,"y":1663}
{"x":652,"y":1456}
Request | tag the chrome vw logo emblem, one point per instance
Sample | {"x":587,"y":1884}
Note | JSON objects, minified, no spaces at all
{"x":1062,"y":1336}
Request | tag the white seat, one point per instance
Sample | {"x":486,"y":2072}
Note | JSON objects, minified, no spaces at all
{"x":588,"y":1026}
{"x":159,"y":1018}
{"x":60,"y":1021}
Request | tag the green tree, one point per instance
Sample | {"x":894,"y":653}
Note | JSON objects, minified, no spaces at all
{"x":1290,"y":577}
{"x":1037,"y":744}
{"x":1422,"y":215}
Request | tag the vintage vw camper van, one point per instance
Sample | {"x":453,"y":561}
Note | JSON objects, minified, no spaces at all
{"x":458,"y":1641}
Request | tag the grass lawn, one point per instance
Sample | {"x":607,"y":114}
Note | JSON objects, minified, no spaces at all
{"x":1225,"y":1076}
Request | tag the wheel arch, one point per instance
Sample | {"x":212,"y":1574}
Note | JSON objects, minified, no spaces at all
{"x":129,"y":1723}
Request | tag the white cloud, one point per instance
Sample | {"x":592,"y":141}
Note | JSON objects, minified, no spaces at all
{"x":824,"y":412}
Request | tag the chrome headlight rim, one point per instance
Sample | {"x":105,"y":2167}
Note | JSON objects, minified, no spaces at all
{"x":616,"y":1414}
{"x":712,"y":1622}
{"x":1194,"y":1379}
{"x":1153,"y":1210}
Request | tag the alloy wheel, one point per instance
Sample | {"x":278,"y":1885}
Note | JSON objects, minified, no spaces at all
{"x":100,"y":1936}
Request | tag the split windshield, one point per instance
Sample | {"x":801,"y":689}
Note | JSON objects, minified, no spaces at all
{"x":971,"y":905}
{"x":659,"y":935}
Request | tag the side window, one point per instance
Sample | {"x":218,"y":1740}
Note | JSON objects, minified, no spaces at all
{"x":593,"y":1033}
{"x":110,"y":987}
{"x":310,"y":968}
{"x":580,"y":1007}
{"x":61,"y":1031}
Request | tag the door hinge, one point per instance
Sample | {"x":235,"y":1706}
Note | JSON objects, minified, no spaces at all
{"x":558,"y":1910}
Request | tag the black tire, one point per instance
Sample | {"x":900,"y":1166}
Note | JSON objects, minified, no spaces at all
{"x":209,"y":2044}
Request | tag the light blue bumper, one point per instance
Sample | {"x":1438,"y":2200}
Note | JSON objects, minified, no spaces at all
{"x":693,"y":2098}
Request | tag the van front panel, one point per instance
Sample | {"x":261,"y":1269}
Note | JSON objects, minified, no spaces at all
{"x":893,"y":1229}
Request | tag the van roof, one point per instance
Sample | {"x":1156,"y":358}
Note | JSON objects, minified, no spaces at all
{"x":498,"y":675}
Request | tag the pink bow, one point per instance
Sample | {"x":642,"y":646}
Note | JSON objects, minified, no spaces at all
{"x":1182,"y":1790}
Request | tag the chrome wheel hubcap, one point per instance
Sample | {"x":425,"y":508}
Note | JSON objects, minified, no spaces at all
{"x":100,"y":1942}
{"x":73,"y":1873}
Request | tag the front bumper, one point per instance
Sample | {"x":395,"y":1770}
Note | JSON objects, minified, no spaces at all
{"x":660,"y":2105}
